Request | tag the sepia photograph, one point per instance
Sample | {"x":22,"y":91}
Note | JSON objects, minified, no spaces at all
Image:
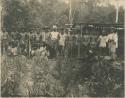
{"x":62,"y":48}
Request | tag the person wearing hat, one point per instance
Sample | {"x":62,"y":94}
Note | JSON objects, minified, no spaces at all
{"x":54,"y":27}
{"x":54,"y":35}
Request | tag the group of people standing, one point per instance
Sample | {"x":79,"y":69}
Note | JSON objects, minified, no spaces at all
{"x":108,"y":44}
{"x":54,"y":43}
{"x":32,"y":43}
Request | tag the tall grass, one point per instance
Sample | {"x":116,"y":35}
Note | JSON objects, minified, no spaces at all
{"x":12,"y":69}
{"x":58,"y":78}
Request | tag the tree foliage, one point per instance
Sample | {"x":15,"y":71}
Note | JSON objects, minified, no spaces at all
{"x":27,"y":15}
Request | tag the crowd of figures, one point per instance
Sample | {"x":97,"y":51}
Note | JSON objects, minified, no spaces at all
{"x":53,"y":43}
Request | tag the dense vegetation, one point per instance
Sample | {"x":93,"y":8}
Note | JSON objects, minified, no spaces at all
{"x":72,"y":77}
{"x":27,"y":15}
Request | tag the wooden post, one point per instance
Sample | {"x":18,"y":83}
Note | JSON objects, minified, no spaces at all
{"x":81,"y":27}
{"x":79,"y":46}
{"x":29,"y":46}
{"x":78,"y":50}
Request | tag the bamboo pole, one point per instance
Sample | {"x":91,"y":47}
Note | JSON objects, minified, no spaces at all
{"x":117,"y":15}
{"x":117,"y":12}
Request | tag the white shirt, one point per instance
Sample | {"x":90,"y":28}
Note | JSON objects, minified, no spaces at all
{"x":44,"y":36}
{"x":62,"y":40}
{"x":14,"y":51}
{"x":103,"y":40}
{"x":113,"y":36}
{"x":110,"y":36}
{"x":54,"y":35}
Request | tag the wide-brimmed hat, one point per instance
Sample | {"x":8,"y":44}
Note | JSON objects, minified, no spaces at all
{"x":46,"y":27}
{"x":54,"y":27}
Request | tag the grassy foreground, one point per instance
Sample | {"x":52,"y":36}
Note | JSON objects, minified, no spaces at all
{"x":39,"y":77}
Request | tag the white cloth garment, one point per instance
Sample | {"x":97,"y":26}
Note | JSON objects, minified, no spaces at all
{"x":14,"y":51}
{"x":54,"y":35}
{"x":44,"y":36}
{"x":110,"y":36}
{"x":114,"y":37}
{"x":103,"y":40}
{"x":62,"y":40}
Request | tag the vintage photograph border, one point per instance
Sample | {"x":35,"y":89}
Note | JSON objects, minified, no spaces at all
{"x":54,"y":97}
